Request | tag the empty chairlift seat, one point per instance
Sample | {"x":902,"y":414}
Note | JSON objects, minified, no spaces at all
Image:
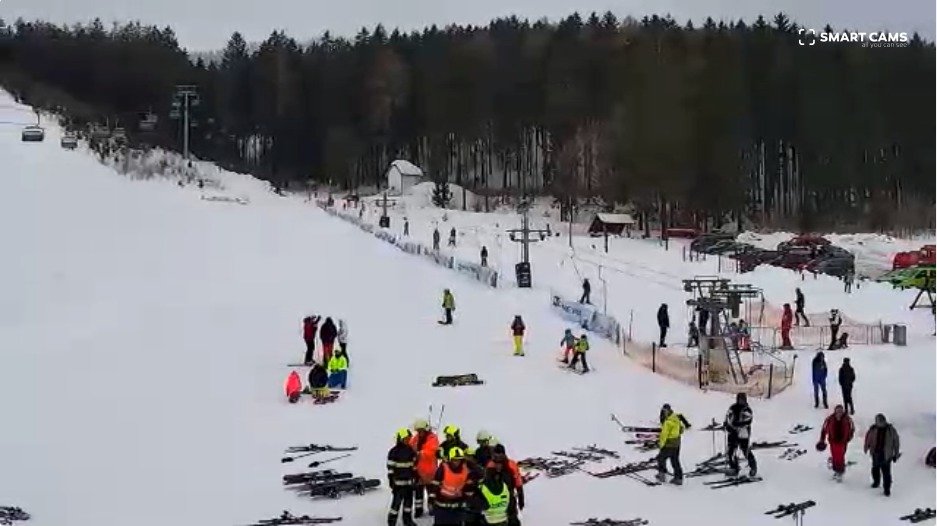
{"x":33,"y":134}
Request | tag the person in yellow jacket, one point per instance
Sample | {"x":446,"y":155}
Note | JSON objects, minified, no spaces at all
{"x":338,"y":369}
{"x":579,"y":353}
{"x":669,"y":442}
{"x":448,"y":305}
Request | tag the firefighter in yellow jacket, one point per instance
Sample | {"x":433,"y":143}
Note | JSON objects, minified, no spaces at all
{"x":670,"y":432}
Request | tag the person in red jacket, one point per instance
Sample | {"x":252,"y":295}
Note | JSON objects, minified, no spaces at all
{"x":426,"y":445}
{"x":293,"y":387}
{"x":839,"y":429}
{"x":517,"y":330}
{"x":787,"y":319}
{"x":310,"y":326}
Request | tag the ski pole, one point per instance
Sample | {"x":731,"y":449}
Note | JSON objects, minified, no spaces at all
{"x":319,"y":463}
{"x":294,"y":457}
{"x":442,"y":411}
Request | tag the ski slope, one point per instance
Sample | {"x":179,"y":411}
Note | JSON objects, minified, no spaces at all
{"x":145,"y":332}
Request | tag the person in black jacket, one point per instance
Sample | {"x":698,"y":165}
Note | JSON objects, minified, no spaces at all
{"x":484,"y":256}
{"x":318,"y":380}
{"x":327,"y":333}
{"x":453,"y":439}
{"x":847,"y":376}
{"x":799,"y":313}
{"x":586,"y":291}
{"x":738,"y":426}
{"x":401,"y":477}
{"x":663,"y":321}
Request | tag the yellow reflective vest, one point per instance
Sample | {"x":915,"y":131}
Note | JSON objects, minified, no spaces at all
{"x":337,"y":363}
{"x":497,"y":510}
{"x":670,"y":431}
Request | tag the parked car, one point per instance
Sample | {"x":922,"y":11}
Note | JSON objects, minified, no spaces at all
{"x":838,"y":267}
{"x":912,"y":258}
{"x":701,"y":243}
{"x":795,"y":258}
{"x":685,"y":233}
{"x":804,"y":240}
{"x":33,"y":133}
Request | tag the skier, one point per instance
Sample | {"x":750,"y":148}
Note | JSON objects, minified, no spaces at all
{"x":786,"y":319}
{"x":738,"y":426}
{"x":451,"y":488}
{"x":310,"y":326}
{"x":569,"y":344}
{"x":453,"y":438}
{"x":343,"y":337}
{"x":511,"y":474}
{"x":818,"y":368}
{"x":448,"y":305}
{"x":495,"y":498}
{"x":579,"y":353}
{"x":663,"y":322}
{"x":425,"y":443}
{"x":669,"y":444}
{"x":318,"y":381}
{"x":517,"y":330}
{"x":338,"y":370}
{"x":327,"y":334}
{"x":482,"y":454}
{"x":452,"y":237}
{"x":484,"y":256}
{"x":401,"y":477}
{"x":586,"y":291}
{"x":693,"y":335}
{"x":435,"y":239}
{"x":835,"y":321}
{"x":882,"y":442}
{"x":799,"y":302}
{"x":840,"y":430}
{"x":293,"y":387}
{"x":847,"y":377}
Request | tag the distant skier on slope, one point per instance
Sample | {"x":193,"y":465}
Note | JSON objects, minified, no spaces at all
{"x":452,"y":236}
{"x":448,"y":305}
{"x":738,"y":426}
{"x":787,"y":319}
{"x":569,"y":345}
{"x":579,"y":353}
{"x":586,"y":291}
{"x":663,"y":322}
{"x":436,"y":239}
{"x":799,"y":302}
{"x":327,"y":334}
{"x":818,"y":368}
{"x":484,"y":256}
{"x":840,"y":429}
{"x":517,"y":331}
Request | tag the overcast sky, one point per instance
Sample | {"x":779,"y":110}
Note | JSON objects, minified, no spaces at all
{"x":203,"y":25}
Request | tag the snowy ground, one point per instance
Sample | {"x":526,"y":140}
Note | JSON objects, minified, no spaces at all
{"x":145,"y":331}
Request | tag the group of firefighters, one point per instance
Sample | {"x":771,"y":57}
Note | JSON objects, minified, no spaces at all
{"x":460,"y":485}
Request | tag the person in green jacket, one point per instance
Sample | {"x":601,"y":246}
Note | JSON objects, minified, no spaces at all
{"x":338,"y":369}
{"x":669,"y":442}
{"x":579,"y":353}
{"x":448,"y":305}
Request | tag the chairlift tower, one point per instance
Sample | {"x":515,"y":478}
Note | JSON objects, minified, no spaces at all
{"x":185,"y":98}
{"x":523,"y":236}
{"x":384,"y":221}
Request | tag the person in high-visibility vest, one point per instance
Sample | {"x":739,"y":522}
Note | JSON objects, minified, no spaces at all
{"x":401,"y":461}
{"x":517,"y":330}
{"x":494,"y":498}
{"x":338,"y":369}
{"x":452,"y":488}
{"x":426,"y":444}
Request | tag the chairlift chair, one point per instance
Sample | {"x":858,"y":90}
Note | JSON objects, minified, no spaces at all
{"x":69,"y":141}
{"x":33,"y":133}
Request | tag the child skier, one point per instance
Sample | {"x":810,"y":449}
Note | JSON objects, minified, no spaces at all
{"x":517,"y":329}
{"x":569,"y":344}
{"x":582,"y":345}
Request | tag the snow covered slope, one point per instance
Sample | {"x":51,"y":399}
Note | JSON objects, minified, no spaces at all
{"x":144,"y":334}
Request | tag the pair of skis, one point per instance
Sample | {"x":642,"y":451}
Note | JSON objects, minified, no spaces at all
{"x":732,"y":481}
{"x":792,"y":453}
{"x":313,"y":449}
{"x":288,"y":518}
{"x":314,"y":476}
{"x":611,"y":522}
{"x":334,"y":489}
{"x":919,"y":515}
{"x":633,"y":467}
{"x":634,"y":429}
{"x":799,"y":428}
{"x":784,"y":510}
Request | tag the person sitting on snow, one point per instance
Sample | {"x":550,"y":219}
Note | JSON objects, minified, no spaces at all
{"x":318,"y":381}
{"x":338,"y":369}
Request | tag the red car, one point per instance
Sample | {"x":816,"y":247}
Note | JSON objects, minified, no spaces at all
{"x":912,"y":258}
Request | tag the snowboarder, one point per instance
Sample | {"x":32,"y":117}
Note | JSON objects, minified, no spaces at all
{"x":786,"y":320}
{"x":799,"y":302}
{"x":343,"y":337}
{"x":818,"y":369}
{"x":586,"y":291}
{"x":835,"y":321}
{"x":293,"y":387}
{"x":840,"y":430}
{"x":738,"y":426}
{"x":318,"y":381}
{"x":484,"y":256}
{"x":494,"y":498}
{"x":426,"y":444}
{"x":310,"y":326}
{"x":847,"y":377}
{"x":435,"y":239}
{"x":579,"y":353}
{"x":669,"y":444}
{"x":693,"y":335}
{"x":327,"y":334}
{"x":451,"y":488}
{"x":338,"y":370}
{"x":663,"y":322}
{"x":883,"y":444}
{"x":452,"y":237}
{"x":517,"y":330}
{"x":569,"y":344}
{"x":448,"y":305}
{"x":453,"y":438}
{"x":401,"y":478}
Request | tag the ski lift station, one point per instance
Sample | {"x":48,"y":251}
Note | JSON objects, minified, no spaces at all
{"x":402,"y":175}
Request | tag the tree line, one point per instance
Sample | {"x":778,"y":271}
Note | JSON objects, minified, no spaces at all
{"x":691,"y":125}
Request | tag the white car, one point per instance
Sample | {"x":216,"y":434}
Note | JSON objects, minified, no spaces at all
{"x":33,"y":134}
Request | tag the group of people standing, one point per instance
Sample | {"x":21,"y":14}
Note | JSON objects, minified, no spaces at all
{"x":331,"y":370}
{"x":457,"y":484}
{"x":846,"y":376}
{"x":790,"y":319}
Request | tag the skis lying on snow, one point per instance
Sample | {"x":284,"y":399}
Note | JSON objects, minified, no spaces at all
{"x":553,"y":467}
{"x":8,"y":514}
{"x":314,"y":476}
{"x":288,"y":518}
{"x":334,"y":489}
{"x":771,"y":445}
{"x":597,"y":450}
{"x":326,"y":461}
{"x":732,"y":481}
{"x":611,"y":522}
{"x":634,"y":429}
{"x":792,"y":453}
{"x":783,"y":510}
{"x":632,"y":467}
{"x":527,"y":477}
{"x":457,"y":380}
{"x":318,"y":448}
{"x":799,"y":428}
{"x":920,"y":515}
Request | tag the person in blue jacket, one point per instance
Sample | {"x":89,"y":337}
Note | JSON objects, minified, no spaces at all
{"x":819,"y":379}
